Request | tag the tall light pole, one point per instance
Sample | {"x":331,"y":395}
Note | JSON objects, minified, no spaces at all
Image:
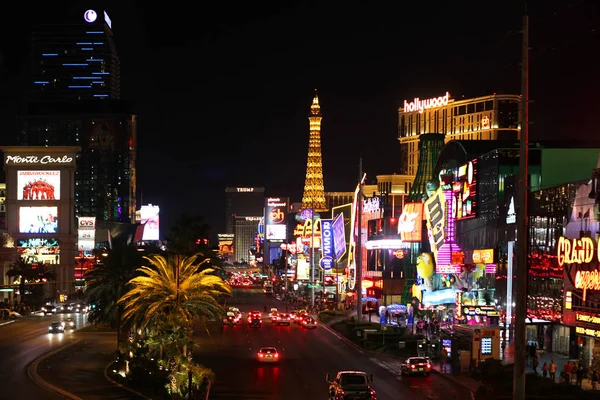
{"x":358,"y":262}
{"x":522,"y":228}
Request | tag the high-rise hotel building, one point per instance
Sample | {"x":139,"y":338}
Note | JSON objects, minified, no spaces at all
{"x":244,"y":209}
{"x":76,"y":60}
{"x":493,"y":117}
{"x":74,"y":100}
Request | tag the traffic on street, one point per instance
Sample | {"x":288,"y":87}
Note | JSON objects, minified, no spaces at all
{"x":304,"y":358}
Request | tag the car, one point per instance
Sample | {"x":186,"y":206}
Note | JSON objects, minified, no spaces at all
{"x":351,"y":385}
{"x":268,"y":354}
{"x":283,"y":319}
{"x":48,"y":309}
{"x":273,"y":312}
{"x":255,"y":323}
{"x":231,"y":318}
{"x":309,"y":322}
{"x":415,"y":366}
{"x":254,"y":315}
{"x":69,"y":323}
{"x":56,"y":327}
{"x":300,"y":317}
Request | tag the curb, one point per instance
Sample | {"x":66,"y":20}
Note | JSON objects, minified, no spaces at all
{"x":8,"y":322}
{"x":342,"y":338}
{"x":108,"y":378}
{"x":38,"y":380}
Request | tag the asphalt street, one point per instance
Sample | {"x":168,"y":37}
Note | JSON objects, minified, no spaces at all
{"x":306,"y":356}
{"x":21,"y":343}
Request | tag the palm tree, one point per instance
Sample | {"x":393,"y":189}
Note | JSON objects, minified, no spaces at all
{"x":163,"y":301}
{"x":29,"y":273}
{"x":107,"y":282}
{"x":173,"y":287}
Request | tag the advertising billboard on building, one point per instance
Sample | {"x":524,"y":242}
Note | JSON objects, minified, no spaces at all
{"x":327,"y":244}
{"x":410,"y":223}
{"x":86,"y":233}
{"x":276,"y":219}
{"x":339,"y":236}
{"x":149,"y":218}
{"x":464,"y":189}
{"x":38,"y":185}
{"x":38,"y":219}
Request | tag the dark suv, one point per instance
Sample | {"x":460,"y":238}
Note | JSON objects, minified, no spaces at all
{"x":255,"y":323}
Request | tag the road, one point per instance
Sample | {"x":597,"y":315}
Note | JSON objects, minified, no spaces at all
{"x":306,"y":356}
{"x":21,"y":343}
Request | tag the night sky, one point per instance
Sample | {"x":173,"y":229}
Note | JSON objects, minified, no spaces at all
{"x":223,"y":92}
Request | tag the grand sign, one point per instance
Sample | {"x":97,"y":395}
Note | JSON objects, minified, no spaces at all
{"x":422,"y":105}
{"x":20,"y":160}
{"x":575,"y":251}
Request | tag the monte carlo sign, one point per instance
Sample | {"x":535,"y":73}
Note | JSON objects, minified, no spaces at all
{"x":572,"y":253}
{"x":38,"y":160}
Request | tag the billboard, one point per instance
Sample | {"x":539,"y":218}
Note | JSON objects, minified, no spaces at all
{"x":149,"y":218}
{"x":38,"y":185}
{"x":38,"y":219}
{"x":410,"y":222}
{"x":464,"y":190}
{"x":326,"y":244}
{"x":86,"y":234}
{"x":276,"y":219}
{"x":339,"y":236}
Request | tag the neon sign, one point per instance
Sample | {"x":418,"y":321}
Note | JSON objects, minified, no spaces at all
{"x":589,"y":318}
{"x":587,"y":280}
{"x":575,"y":251}
{"x":409,"y":223}
{"x":588,"y":332}
{"x":422,"y":105}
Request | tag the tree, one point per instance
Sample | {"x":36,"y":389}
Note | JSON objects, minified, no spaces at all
{"x":107,"y":282}
{"x":164,"y":300}
{"x":186,"y":236}
{"x":30,"y":272}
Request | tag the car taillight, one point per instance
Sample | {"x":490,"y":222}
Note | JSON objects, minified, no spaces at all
{"x":260,"y":354}
{"x":428,"y":365}
{"x":276,"y":355}
{"x":412,"y":366}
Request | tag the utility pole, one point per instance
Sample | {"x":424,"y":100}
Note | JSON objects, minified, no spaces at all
{"x":358,"y":262}
{"x":522,"y":228}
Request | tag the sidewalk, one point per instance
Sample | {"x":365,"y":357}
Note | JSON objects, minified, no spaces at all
{"x":545,"y":357}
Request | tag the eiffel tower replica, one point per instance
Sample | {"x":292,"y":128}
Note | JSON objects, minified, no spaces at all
{"x":314,"y":191}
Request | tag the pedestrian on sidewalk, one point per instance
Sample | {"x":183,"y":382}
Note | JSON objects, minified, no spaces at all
{"x":552,"y":370}
{"x":535,"y":363}
{"x":443,"y":359}
{"x":594,"y":379}
{"x":579,"y":375}
{"x":545,"y":369}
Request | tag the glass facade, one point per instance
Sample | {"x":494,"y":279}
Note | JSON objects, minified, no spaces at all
{"x":74,"y":61}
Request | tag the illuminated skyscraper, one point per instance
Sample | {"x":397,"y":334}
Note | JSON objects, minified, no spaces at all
{"x":314,"y":190}
{"x":75,"y":60}
{"x":74,"y":100}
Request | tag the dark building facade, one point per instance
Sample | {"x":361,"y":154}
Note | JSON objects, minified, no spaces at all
{"x":75,"y":60}
{"x":242,"y":201}
{"x":74,"y":100}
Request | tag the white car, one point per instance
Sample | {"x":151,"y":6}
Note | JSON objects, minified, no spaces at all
{"x":69,"y":323}
{"x":49,"y":309}
{"x":268,"y":354}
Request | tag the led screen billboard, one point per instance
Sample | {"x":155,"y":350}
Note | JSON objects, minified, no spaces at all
{"x":339,"y":236}
{"x":38,"y":219}
{"x":38,"y":185}
{"x":410,"y":222}
{"x":149,"y":218}
{"x":275,"y":219}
